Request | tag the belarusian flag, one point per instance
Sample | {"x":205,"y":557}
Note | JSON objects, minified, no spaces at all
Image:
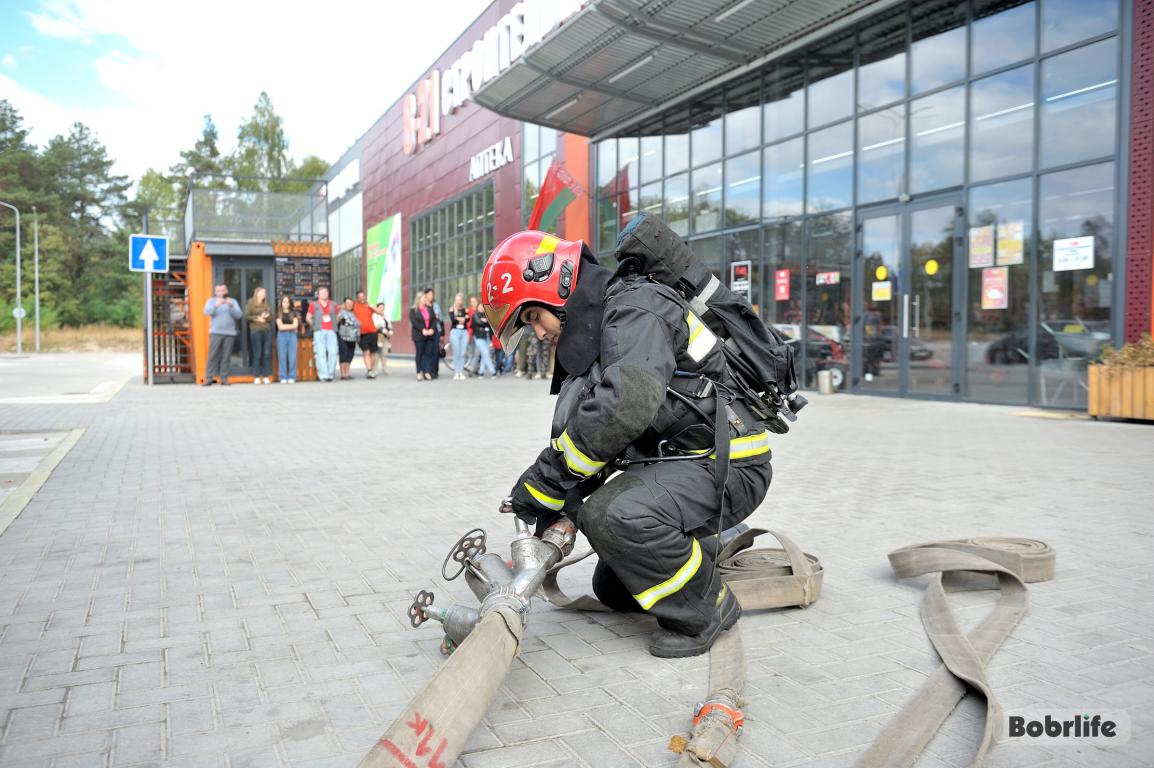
{"x":558,"y":189}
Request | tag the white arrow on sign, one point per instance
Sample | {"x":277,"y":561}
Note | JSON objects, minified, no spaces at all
{"x":149,"y":256}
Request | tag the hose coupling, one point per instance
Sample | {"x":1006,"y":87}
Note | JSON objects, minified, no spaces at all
{"x":505,"y":597}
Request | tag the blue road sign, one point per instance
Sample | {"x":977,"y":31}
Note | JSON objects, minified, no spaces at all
{"x":147,"y":253}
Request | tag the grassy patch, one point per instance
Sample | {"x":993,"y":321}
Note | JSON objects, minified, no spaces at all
{"x":89,"y":338}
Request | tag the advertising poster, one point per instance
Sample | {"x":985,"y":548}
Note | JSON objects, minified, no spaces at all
{"x":828,"y":278}
{"x":1010,"y":243}
{"x":781,"y":285}
{"x":1073,"y":253}
{"x":995,"y":288}
{"x":383,"y":259}
{"x":739,"y":277}
{"x":883,"y":290}
{"x":981,"y":246}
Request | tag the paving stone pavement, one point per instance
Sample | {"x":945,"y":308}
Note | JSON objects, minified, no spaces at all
{"x":219,"y":577}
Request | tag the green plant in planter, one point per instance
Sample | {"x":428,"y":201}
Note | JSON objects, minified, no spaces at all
{"x":1138,"y":354}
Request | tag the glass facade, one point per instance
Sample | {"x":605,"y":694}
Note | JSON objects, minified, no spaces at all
{"x":538,"y":148}
{"x":448,"y":245}
{"x":928,"y":199}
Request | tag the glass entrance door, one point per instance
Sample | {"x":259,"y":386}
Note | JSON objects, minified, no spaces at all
{"x":242,"y":279}
{"x":907,"y":333}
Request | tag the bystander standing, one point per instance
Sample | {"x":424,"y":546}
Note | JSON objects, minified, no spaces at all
{"x":224,"y":312}
{"x":258,"y":314}
{"x":384,"y":333}
{"x":288,"y":324}
{"x":348,"y":334}
{"x":322,"y":318}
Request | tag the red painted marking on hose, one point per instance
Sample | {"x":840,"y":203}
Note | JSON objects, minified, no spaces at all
{"x":435,"y":760}
{"x":418,"y":724}
{"x":396,"y":752}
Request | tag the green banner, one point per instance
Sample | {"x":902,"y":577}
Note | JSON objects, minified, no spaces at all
{"x":383,"y":258}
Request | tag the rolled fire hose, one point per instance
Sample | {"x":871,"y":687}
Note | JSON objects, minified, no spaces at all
{"x":760,"y":579}
{"x":1014,"y":563}
{"x":435,"y":726}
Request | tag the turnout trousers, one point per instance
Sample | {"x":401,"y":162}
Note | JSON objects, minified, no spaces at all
{"x":654,"y":528}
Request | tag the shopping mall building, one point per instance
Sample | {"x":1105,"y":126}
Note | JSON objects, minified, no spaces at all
{"x":934,"y":198}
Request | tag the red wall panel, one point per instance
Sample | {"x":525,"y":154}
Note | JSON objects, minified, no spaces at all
{"x":1140,"y":218}
{"x":393,"y":182}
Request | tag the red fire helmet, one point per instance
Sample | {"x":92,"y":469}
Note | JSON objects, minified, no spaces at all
{"x":526,"y":269}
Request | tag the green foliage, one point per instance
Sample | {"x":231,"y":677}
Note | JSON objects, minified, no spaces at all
{"x":85,"y":213}
{"x":82,"y":208}
{"x":261,"y":148}
{"x":1138,"y":354}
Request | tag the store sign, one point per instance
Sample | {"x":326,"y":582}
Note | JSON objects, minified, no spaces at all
{"x":828,"y":278}
{"x":444,"y":92}
{"x":1073,"y":253}
{"x":781,"y":285}
{"x":739,"y":277}
{"x":981,"y":247}
{"x":882,"y":290}
{"x":1010,"y":243}
{"x":995,"y":288}
{"x":490,"y":159}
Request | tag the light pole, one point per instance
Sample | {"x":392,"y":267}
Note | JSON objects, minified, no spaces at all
{"x":36,"y":270}
{"x":18,"y":312}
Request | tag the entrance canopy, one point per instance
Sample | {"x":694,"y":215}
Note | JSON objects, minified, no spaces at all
{"x":615,"y":61}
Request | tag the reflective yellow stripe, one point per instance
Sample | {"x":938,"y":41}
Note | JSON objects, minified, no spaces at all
{"x":743,"y":447}
{"x":546,"y":501}
{"x":701,"y":339}
{"x":578,"y":462}
{"x":721,"y":594}
{"x":649,"y":597}
{"x":548,"y":244}
{"x":750,"y":445}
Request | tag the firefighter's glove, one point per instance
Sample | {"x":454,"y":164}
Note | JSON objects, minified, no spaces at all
{"x":529,"y":500}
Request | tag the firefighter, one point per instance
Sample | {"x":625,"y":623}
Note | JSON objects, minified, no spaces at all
{"x":638,"y":376}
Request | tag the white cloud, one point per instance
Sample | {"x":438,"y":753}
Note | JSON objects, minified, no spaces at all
{"x":9,"y":61}
{"x":331,"y":69}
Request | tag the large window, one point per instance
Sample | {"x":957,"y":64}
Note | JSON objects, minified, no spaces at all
{"x":449,"y":244}
{"x":1001,"y":107}
{"x":538,"y":148}
{"x":1076,"y":269}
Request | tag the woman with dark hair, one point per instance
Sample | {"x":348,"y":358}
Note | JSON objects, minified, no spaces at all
{"x":423,"y":321}
{"x":288,"y":323}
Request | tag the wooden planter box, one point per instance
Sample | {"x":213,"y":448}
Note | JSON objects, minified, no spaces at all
{"x":1121,"y":393}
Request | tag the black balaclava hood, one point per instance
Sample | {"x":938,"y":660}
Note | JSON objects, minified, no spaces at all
{"x":580,"y":342}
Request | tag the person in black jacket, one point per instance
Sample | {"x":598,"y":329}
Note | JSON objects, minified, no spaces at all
{"x":423,"y":322}
{"x":482,"y":342}
{"x":633,"y":366}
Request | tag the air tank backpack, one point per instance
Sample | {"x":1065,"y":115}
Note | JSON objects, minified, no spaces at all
{"x":758,"y":356}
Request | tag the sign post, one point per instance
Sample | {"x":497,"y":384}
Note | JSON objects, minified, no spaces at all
{"x":148,"y":254}
{"x":18,"y":311}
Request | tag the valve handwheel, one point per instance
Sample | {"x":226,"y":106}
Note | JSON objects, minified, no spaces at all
{"x":422,"y":601}
{"x":473,"y":541}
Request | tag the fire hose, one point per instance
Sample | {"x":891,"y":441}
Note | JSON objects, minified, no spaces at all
{"x":434,"y":727}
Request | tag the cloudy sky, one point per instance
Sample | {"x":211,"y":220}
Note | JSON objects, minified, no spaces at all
{"x":143,"y":74}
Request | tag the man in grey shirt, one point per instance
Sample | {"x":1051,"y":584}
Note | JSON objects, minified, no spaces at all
{"x":225,"y":313}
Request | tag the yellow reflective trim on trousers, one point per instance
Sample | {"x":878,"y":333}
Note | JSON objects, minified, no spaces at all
{"x":721,"y":594}
{"x":578,"y":462}
{"x":548,"y":244}
{"x":743,"y":447}
{"x":546,"y":501}
{"x":651,"y":596}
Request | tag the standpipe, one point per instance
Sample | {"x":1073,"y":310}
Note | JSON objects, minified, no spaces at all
{"x":435,"y":726}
